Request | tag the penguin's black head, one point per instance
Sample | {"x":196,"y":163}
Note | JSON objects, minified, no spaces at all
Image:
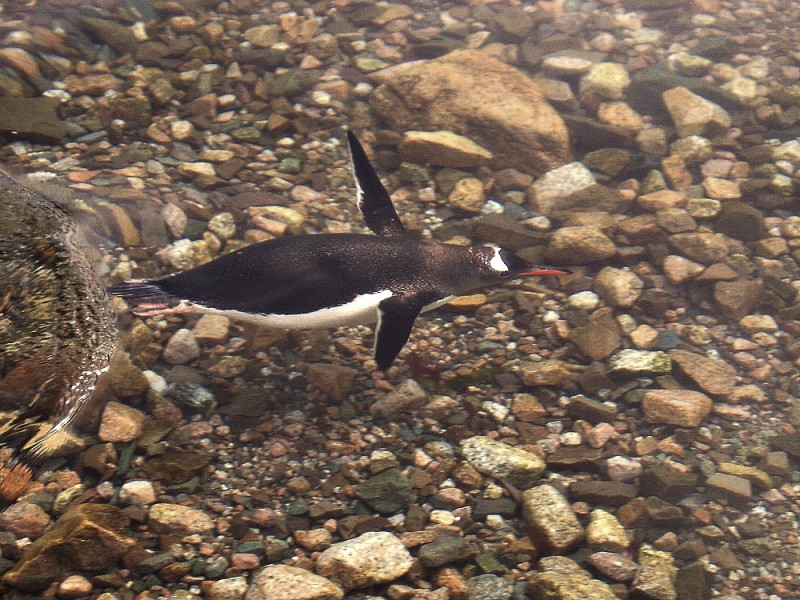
{"x":496,"y":265}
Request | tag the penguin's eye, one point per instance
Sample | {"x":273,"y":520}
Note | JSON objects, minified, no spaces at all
{"x":504,"y":274}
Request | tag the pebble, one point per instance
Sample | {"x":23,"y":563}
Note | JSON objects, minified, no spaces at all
{"x":604,"y":532}
{"x":74,"y":586}
{"x":181,"y":348}
{"x":230,"y":588}
{"x":488,"y":587}
{"x":656,"y":576}
{"x":562,"y":578}
{"x":282,"y":582}
{"x":443,"y":148}
{"x":636,"y":363}
{"x":407,"y":396}
{"x":694,"y":115}
{"x":501,"y":461}
{"x":579,"y":245}
{"x":334,"y":381}
{"x":468,"y":195}
{"x":211,"y":329}
{"x":616,"y":567}
{"x":445,"y":549}
{"x":682,"y":408}
{"x":138,"y":491}
{"x":25,"y":520}
{"x":178,"y":519}
{"x":551,"y":192}
{"x":620,"y":288}
{"x":607,"y":80}
{"x":711,"y":375}
{"x":120,"y":423}
{"x":551,"y":520}
{"x":369,"y":559}
{"x":222,"y":225}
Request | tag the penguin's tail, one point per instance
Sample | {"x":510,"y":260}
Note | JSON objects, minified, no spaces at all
{"x":145,"y":297}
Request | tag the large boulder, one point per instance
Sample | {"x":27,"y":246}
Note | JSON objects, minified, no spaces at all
{"x":475,"y":95}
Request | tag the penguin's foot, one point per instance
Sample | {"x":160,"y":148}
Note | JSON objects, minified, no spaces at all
{"x":148,"y":299}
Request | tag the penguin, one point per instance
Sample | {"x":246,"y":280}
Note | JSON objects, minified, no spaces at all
{"x":330,"y":280}
{"x":57,"y":330}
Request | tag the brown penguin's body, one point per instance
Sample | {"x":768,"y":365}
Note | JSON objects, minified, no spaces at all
{"x":57,"y":326}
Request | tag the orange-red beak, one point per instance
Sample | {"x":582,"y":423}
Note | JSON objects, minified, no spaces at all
{"x":542,"y":270}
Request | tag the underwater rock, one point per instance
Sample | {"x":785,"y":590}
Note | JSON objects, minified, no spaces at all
{"x":682,"y":408}
{"x":31,"y":118}
{"x":90,"y":537}
{"x":371,"y":558}
{"x":656,"y":576}
{"x":57,"y":326}
{"x":561,"y":577}
{"x":291,"y":583}
{"x":442,"y":148}
{"x":552,"y":524}
{"x":477,"y":96}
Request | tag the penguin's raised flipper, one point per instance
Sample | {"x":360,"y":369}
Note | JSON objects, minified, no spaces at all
{"x":372,"y":198}
{"x":396,"y":316}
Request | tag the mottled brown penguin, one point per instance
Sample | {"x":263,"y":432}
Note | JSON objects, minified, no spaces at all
{"x":57,"y":329}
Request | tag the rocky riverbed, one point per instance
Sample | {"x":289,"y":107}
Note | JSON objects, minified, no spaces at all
{"x":628,"y":431}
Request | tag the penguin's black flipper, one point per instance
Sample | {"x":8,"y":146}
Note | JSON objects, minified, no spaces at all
{"x":396,"y":316}
{"x":372,"y":198}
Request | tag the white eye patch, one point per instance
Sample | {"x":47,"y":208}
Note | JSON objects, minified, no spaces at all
{"x":497,"y":263}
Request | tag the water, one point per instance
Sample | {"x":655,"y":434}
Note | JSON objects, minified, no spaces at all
{"x":651,"y":147}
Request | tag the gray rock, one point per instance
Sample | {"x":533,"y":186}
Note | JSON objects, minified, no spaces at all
{"x":552,"y":191}
{"x":501,"y":461}
{"x":612,"y":493}
{"x":282,"y":582}
{"x":488,"y":587}
{"x":372,"y":558}
{"x":387,"y":492}
{"x":666,"y":483}
{"x":507,"y":233}
{"x":551,"y":520}
{"x":445,"y":549}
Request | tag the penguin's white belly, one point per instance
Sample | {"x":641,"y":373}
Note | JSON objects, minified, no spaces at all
{"x":362,"y":310}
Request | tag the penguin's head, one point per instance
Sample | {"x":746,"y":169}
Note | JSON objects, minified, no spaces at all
{"x":496,"y":265}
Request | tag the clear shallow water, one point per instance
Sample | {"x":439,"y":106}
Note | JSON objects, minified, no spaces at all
{"x":189,"y":132}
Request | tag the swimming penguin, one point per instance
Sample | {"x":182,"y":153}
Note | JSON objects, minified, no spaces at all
{"x":330,"y":280}
{"x":57,"y":329}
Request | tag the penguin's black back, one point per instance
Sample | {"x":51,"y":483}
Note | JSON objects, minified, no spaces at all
{"x":301,"y":274}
